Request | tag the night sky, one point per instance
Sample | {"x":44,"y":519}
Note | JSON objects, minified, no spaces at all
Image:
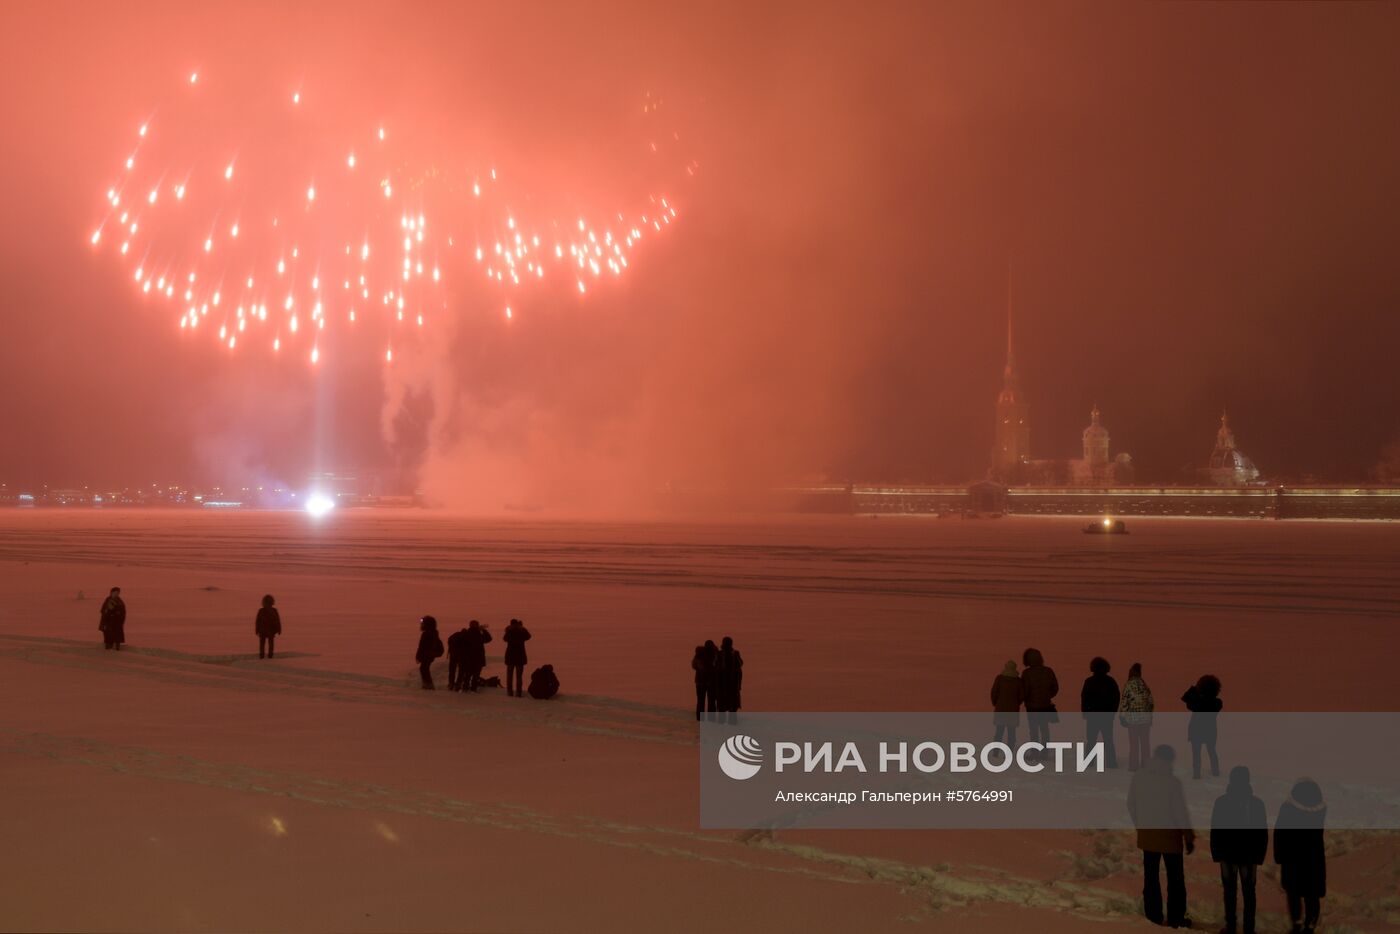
{"x":1192,"y":206}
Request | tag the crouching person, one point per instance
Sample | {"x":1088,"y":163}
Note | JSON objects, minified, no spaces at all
{"x":543,"y":683}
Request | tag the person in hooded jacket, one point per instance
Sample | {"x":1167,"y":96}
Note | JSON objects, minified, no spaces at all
{"x":1007,"y":694}
{"x":1157,"y":805}
{"x":1039,"y":686}
{"x":113,"y":620}
{"x":429,"y":650}
{"x":1098,"y":700}
{"x":457,"y":660}
{"x":1135,"y":713}
{"x":475,"y":658}
{"x":268,"y":626}
{"x":1300,"y":851}
{"x":729,"y":680}
{"x":515,"y":637}
{"x":1239,"y":840}
{"x":544,"y":683}
{"x":1203,"y":700}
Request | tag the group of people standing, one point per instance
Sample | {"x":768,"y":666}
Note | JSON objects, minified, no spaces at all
{"x":1035,"y":688}
{"x":466,"y":648}
{"x":719,"y":680}
{"x":1239,"y":842}
{"x":466,"y":658}
{"x":1239,"y":836}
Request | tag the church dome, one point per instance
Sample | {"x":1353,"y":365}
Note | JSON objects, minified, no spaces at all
{"x":1096,"y":439}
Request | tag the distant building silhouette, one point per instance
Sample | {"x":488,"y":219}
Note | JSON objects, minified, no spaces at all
{"x":1011,"y":454}
{"x":1013,"y":434}
{"x":1229,"y":466}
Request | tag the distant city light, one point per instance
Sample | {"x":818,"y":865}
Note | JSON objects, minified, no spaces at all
{"x":318,"y":505}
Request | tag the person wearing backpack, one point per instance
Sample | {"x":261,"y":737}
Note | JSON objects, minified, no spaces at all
{"x":429,"y":650}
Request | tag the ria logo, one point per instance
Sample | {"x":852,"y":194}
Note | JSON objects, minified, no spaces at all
{"x":741,"y":757}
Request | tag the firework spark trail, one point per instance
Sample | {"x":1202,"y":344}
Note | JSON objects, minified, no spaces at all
{"x":272,"y":241}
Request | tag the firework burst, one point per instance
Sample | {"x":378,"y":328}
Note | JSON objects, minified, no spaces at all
{"x":278,"y":235}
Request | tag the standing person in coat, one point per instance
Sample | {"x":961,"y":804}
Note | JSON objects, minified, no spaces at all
{"x":1135,"y":713}
{"x":113,"y":621}
{"x":475,"y":641}
{"x":1039,"y":686}
{"x":1203,"y":700}
{"x":1239,"y":838}
{"x":1098,"y":700}
{"x":703,"y":666}
{"x":712,"y":683}
{"x":457,"y":660}
{"x":1157,"y":805}
{"x":515,"y":637}
{"x":1007,"y":694}
{"x":729,"y":680}
{"x":429,"y":650}
{"x":1300,"y":852}
{"x":268,"y":626}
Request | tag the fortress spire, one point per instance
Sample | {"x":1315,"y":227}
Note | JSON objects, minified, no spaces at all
{"x":1013,"y":431}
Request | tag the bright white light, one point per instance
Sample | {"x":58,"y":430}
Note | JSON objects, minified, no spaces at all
{"x":318,"y":505}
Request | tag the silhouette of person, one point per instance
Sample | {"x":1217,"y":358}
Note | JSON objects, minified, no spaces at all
{"x":544,"y":684}
{"x":712,"y":684}
{"x":475,"y":657}
{"x":1135,"y":713}
{"x":1007,"y":694}
{"x":515,"y":637}
{"x":703,"y":665}
{"x":1239,"y":839}
{"x":457,"y":660}
{"x":268,"y":626}
{"x":1157,"y":805}
{"x":729,"y":671}
{"x":1300,"y":853}
{"x":1039,"y":687}
{"x":1203,"y":700}
{"x":429,"y":649}
{"x":113,"y":621}
{"x":1098,"y":700}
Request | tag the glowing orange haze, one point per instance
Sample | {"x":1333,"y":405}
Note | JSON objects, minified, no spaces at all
{"x":1198,"y":203}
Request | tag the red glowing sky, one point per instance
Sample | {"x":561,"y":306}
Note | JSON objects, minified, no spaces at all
{"x":1198,"y":203}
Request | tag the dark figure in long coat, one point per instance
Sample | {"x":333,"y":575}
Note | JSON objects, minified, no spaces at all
{"x":457,"y":660}
{"x":729,"y":680}
{"x":703,"y":666}
{"x":429,"y":649}
{"x":1300,"y":853}
{"x":268,"y":626}
{"x":1239,"y":839}
{"x":1041,"y":686}
{"x":475,"y":657}
{"x":113,"y":624}
{"x":1098,"y":700}
{"x":515,"y":637}
{"x":712,"y":679}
